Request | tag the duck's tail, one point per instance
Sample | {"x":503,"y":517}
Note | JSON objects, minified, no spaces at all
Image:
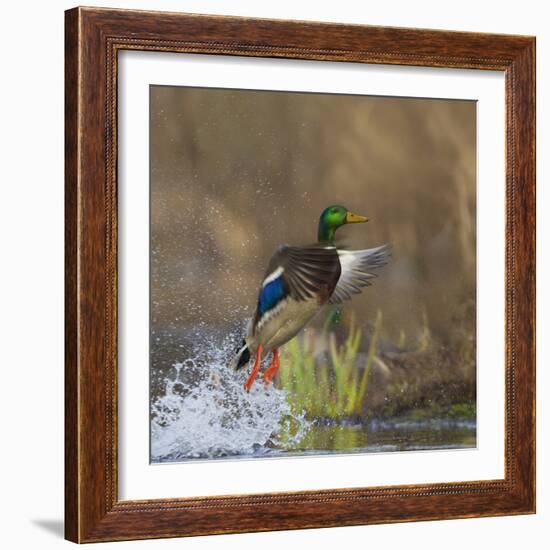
{"x":242,"y":357}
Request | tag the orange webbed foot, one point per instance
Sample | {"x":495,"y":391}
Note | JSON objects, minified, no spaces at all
{"x":270,"y":373}
{"x":255,"y":370}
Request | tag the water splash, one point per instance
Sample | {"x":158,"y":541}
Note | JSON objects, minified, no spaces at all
{"x":208,"y":414}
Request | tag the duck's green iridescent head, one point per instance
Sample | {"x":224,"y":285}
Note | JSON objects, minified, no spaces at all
{"x":334,"y":217}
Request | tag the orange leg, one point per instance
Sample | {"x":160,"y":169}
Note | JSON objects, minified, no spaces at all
{"x":270,"y":373}
{"x":255,"y":370}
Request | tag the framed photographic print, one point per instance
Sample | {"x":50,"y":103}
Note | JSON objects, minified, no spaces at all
{"x":300,"y":275}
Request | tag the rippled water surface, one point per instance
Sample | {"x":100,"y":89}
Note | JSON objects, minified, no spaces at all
{"x":200,"y":410}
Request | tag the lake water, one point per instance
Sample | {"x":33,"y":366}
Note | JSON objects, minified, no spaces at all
{"x":210,"y":416}
{"x":395,"y":435}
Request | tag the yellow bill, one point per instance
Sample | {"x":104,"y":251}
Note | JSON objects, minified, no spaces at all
{"x":355,"y":218}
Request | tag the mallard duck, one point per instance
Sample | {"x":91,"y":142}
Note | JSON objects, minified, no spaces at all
{"x":298,"y":282}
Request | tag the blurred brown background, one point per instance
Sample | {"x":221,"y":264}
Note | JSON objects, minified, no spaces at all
{"x":236,"y":173}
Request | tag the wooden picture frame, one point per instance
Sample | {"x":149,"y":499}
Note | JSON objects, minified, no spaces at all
{"x":93,"y":511}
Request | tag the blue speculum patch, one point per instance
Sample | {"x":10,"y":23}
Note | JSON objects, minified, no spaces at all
{"x":271,"y":295}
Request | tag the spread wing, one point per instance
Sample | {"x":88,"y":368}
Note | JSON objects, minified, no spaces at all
{"x":308,"y":271}
{"x":301,"y":272}
{"x":356,"y":273}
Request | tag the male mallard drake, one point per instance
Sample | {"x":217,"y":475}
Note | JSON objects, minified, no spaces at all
{"x":298,"y":282}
